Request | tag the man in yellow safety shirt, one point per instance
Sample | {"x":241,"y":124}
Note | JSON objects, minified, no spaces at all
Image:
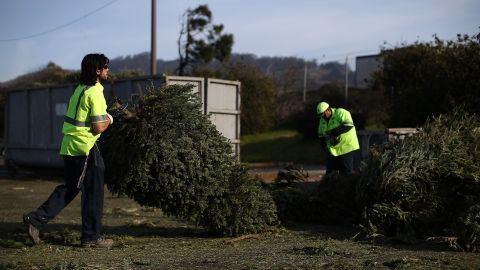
{"x":85,"y":120}
{"x":338,"y":135}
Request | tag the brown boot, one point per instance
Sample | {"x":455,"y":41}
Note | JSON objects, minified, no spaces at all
{"x":32,"y":231}
{"x":99,"y":243}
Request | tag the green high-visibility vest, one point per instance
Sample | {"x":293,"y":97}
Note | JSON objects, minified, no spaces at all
{"x":346,"y":142}
{"x":87,"y":105}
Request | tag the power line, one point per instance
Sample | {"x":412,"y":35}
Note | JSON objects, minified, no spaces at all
{"x":61,"y":26}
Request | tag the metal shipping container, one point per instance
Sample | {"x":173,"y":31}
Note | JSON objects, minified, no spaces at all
{"x":34,"y":117}
{"x":221,"y":100}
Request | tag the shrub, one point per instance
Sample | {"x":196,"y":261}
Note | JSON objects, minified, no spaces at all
{"x":422,"y":185}
{"x":469,"y":229}
{"x":164,"y":153}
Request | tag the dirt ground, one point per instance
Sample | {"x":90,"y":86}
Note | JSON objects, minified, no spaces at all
{"x":146,"y":239}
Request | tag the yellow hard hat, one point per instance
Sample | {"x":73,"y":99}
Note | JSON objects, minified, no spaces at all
{"x":322,"y":107}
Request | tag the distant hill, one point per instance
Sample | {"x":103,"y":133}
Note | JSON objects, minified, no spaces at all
{"x":51,"y":74}
{"x":287,"y":72}
{"x":141,"y":64}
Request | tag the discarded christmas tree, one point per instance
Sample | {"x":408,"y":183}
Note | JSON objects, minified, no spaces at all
{"x":163,"y":152}
{"x":329,"y":201}
{"x":427,"y":184}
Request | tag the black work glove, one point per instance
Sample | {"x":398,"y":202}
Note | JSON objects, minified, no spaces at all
{"x":332,"y":140}
{"x":339,"y":130}
{"x":334,"y":132}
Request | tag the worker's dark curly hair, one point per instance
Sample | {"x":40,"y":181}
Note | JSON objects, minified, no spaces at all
{"x":90,"y":64}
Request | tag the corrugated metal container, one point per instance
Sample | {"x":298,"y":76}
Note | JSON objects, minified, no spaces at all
{"x":34,"y":117}
{"x":33,"y":121}
{"x":198,"y":85}
{"x":221,"y":100}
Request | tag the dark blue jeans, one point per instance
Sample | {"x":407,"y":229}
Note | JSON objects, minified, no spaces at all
{"x":92,"y":194}
{"x":342,"y":163}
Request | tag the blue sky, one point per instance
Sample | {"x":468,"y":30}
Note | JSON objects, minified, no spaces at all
{"x":312,"y":29}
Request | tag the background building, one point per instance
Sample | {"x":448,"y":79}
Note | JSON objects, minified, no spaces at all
{"x":365,"y":67}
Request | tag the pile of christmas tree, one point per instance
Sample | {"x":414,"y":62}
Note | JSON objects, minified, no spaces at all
{"x":427,"y":184}
{"x":163,"y":152}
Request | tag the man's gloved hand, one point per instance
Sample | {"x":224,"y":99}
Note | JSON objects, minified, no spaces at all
{"x":339,"y":130}
{"x":332,"y":140}
{"x":333,"y":132}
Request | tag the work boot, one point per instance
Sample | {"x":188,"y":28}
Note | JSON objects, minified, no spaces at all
{"x":99,"y":243}
{"x":32,"y":231}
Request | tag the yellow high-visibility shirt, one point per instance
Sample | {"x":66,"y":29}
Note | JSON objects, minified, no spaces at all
{"x":87,"y":105}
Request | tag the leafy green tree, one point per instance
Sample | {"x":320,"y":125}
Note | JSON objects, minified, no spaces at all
{"x":258,"y":98}
{"x":427,"y":79}
{"x":200,"y":41}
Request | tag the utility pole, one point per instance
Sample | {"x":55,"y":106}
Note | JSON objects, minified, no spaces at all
{"x":153,"y":48}
{"x":305,"y":83}
{"x":346,"y":81}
